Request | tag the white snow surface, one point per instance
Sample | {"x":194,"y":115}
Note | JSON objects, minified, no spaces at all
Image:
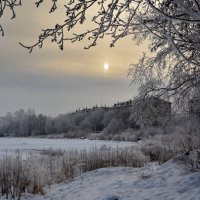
{"x":153,"y":182}
{"x":28,"y":145}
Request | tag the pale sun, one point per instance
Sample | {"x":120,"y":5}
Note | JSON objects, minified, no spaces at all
{"x":106,"y":66}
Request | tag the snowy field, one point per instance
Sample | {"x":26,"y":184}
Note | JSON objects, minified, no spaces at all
{"x":172,"y":180}
{"x":28,"y":145}
{"x":169,"y":181}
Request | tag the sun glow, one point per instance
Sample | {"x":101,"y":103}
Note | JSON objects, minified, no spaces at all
{"x":106,"y":66}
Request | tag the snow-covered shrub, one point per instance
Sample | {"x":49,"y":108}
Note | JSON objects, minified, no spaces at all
{"x":183,"y":143}
{"x":115,"y":126}
{"x":191,"y":160}
{"x":184,"y":124}
{"x":157,"y":152}
{"x":152,"y":131}
{"x":128,"y":135}
{"x":86,"y":126}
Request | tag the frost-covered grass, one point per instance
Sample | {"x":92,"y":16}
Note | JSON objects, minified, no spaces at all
{"x":161,"y":147}
{"x":33,"y":174}
{"x":169,"y":181}
{"x":18,"y":175}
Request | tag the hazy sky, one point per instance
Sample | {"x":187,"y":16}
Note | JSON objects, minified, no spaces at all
{"x":54,"y":81}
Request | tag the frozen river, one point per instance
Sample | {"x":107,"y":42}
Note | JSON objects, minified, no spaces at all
{"x":25,"y":145}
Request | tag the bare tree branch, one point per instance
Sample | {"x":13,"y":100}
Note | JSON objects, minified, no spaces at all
{"x":171,"y":26}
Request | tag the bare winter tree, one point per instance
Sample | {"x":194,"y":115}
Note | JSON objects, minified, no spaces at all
{"x":171,"y":26}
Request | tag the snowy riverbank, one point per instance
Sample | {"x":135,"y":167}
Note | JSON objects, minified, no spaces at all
{"x":170,"y":181}
{"x":9,"y":145}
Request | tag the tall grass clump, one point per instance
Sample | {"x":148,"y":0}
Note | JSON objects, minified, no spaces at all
{"x":14,"y":176}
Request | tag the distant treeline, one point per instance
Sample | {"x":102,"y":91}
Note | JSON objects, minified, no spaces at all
{"x":28,"y":123}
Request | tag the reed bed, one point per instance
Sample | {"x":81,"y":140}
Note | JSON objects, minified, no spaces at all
{"x":32,"y":174}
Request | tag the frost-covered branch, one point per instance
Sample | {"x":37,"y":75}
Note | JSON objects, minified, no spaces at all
{"x":8,"y":5}
{"x":171,"y":26}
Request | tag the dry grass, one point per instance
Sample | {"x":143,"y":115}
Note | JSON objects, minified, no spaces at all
{"x":35,"y":172}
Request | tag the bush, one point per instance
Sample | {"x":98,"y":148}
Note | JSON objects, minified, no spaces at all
{"x":158,"y":153}
{"x":191,"y":160}
{"x":114,"y":126}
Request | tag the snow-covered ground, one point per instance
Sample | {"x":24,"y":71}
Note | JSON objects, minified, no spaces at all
{"x":169,"y":181}
{"x":25,"y":145}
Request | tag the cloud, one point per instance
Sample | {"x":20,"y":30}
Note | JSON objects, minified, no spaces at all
{"x":54,"y":81}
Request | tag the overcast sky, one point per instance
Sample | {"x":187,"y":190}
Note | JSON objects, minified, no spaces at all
{"x":54,"y":81}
